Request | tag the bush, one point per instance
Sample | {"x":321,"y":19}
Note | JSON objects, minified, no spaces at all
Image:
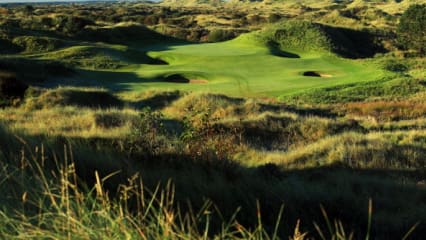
{"x":394,"y":66}
{"x":412,"y":28}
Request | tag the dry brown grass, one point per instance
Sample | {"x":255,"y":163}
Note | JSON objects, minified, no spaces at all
{"x":387,"y":110}
{"x":70,"y":121}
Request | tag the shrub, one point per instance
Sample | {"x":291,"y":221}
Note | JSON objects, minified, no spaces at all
{"x":147,"y":135}
{"x":412,"y":28}
{"x":395,"y":66}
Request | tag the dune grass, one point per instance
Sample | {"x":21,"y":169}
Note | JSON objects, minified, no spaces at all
{"x":83,"y":191}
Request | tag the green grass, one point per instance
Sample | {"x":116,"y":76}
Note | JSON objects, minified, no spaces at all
{"x":243,"y":68}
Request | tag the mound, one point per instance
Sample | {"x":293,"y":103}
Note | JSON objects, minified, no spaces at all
{"x":89,"y":57}
{"x":202,"y":102}
{"x":308,"y":36}
{"x":374,"y":150}
{"x":35,"y":70}
{"x":122,"y":33}
{"x":33,"y":44}
{"x":91,"y":98}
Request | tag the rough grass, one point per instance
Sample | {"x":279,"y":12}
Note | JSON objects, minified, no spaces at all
{"x":68,"y":96}
{"x":387,"y":150}
{"x":388,"y":88}
{"x":71,"y":122}
{"x":88,"y":57}
{"x":55,"y":206}
{"x":387,"y":110}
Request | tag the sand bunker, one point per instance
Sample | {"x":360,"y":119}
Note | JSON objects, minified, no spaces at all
{"x":198,"y":81}
{"x":177,"y":78}
{"x":316,"y":74}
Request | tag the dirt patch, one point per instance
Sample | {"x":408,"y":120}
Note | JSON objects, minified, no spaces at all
{"x":198,"y":81}
{"x":316,"y":74}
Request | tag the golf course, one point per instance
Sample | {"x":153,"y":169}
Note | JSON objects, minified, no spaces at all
{"x":211,"y":119}
{"x":247,"y":66}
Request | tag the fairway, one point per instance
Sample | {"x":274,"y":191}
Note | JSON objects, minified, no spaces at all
{"x":239,"y":67}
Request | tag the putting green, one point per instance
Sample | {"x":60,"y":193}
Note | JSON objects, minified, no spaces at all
{"x":240,"y":67}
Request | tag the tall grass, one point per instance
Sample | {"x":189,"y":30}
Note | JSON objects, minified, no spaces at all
{"x":46,"y":201}
{"x":199,"y":161}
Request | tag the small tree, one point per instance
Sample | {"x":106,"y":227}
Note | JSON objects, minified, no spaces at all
{"x":412,"y":28}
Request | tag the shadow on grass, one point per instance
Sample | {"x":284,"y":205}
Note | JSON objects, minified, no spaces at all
{"x":275,"y":50}
{"x":158,"y":101}
{"x":344,"y":192}
{"x":113,"y":81}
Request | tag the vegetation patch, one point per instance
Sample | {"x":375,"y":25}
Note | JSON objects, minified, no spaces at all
{"x":386,"y":88}
{"x":33,"y":44}
{"x":309,"y":36}
{"x":91,"y":98}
